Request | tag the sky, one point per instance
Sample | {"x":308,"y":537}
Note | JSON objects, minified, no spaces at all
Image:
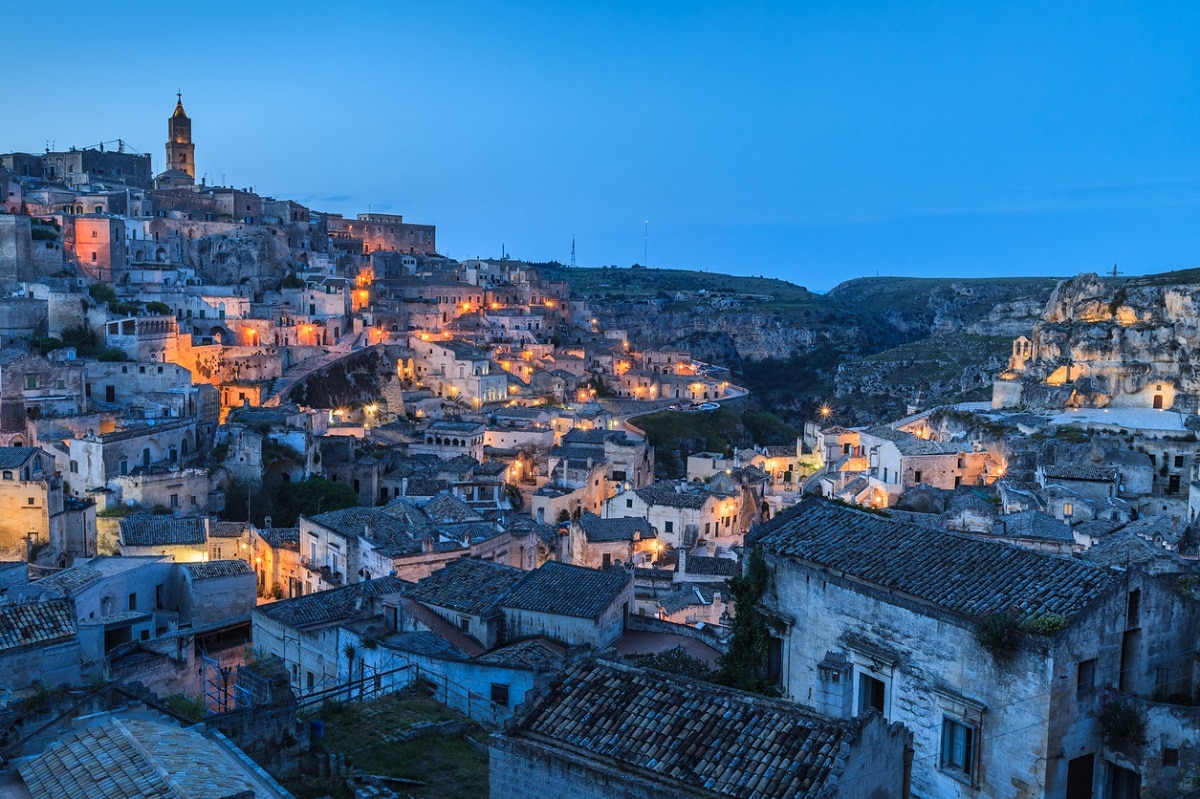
{"x":809,"y":141}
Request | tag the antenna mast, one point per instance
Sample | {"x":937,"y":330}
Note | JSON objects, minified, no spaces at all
{"x":572,"y":250}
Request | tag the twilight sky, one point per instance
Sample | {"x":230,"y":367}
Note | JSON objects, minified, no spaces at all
{"x":812,"y":141}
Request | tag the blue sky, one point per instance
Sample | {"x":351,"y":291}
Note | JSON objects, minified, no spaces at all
{"x":809,"y":141}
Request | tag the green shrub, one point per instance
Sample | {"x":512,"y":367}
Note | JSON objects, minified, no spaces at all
{"x":997,"y":631}
{"x":1044,"y":624}
{"x":1123,"y":722}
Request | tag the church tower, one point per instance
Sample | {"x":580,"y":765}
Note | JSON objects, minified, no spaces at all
{"x":180,"y":150}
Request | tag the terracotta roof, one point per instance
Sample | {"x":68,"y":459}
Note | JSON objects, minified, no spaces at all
{"x":566,"y":590}
{"x":466,"y":585}
{"x":217,"y":568}
{"x":28,"y":623}
{"x":958,"y":574}
{"x":698,"y":736}
{"x":145,"y":530}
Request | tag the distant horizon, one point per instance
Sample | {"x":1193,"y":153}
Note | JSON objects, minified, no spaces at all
{"x":810,"y":143}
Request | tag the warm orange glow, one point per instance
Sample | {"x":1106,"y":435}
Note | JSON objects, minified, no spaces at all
{"x":825,"y":411}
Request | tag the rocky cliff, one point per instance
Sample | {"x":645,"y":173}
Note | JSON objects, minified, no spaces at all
{"x":1115,"y":342}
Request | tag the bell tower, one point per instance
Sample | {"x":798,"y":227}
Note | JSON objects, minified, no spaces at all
{"x":180,"y":150}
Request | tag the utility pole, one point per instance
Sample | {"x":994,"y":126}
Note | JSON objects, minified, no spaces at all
{"x":646,"y":243}
{"x":572,"y":250}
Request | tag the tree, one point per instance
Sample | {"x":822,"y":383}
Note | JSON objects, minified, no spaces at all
{"x":310,"y":497}
{"x":744,"y":666}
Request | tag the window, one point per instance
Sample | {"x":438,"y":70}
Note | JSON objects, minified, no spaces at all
{"x":29,"y":501}
{"x":30,"y":381}
{"x":629,"y":503}
{"x":133,"y":601}
{"x":7,"y":475}
{"x":1086,"y":680}
{"x":958,"y":749}
{"x":668,"y":527}
{"x":871,"y":693}
{"x":74,"y":467}
{"x":1178,"y":461}
{"x":1133,"y":609}
{"x":464,"y":623}
{"x":917,"y":476}
{"x":500,"y":693}
{"x":1170,"y":757}
{"x":174,"y":500}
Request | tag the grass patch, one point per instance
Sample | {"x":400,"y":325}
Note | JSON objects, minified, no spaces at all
{"x":450,"y":766}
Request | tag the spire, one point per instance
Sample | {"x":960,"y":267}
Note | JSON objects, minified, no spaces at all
{"x":179,"y":112}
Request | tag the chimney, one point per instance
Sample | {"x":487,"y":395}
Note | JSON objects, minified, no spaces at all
{"x":404,"y":486}
{"x":681,"y":568}
{"x":426,"y":545}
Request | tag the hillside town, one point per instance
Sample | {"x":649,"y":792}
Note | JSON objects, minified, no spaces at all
{"x":259,"y":460}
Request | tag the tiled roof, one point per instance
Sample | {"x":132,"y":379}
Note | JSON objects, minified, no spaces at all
{"x":666,"y":494}
{"x":600,"y":530}
{"x":686,"y":597}
{"x":446,"y":507}
{"x":958,"y":574}
{"x":281,"y":536}
{"x":138,"y":759}
{"x":145,"y":530}
{"x":1079,"y":471}
{"x":27,"y":623}
{"x":1032,"y":524}
{"x":12,"y":457}
{"x":700,"y":737}
{"x":68,"y":580}
{"x":466,"y":585}
{"x":338,"y":604}
{"x":217,"y":568}
{"x":531,"y":654}
{"x":388,"y":532}
{"x":722,"y":567}
{"x":226,"y":529}
{"x":567,"y":590}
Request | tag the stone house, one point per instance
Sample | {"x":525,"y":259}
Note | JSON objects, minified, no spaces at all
{"x":458,"y":370}
{"x":604,"y":729}
{"x":449,"y":440}
{"x":39,"y":643}
{"x":878,"y":615}
{"x":598,"y":543}
{"x":1095,"y":483}
{"x":304,"y":631}
{"x":682,"y":513}
{"x":97,"y":456}
{"x":899,"y":460}
{"x":32,"y":510}
{"x":185,"y":540}
{"x":31,"y":385}
{"x":569,"y":604}
{"x":214,"y":591}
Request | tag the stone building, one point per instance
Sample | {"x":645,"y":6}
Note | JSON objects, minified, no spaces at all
{"x":32,"y":512}
{"x":998,"y":658}
{"x":603,"y":730}
{"x":180,"y":168}
{"x":39,"y":643}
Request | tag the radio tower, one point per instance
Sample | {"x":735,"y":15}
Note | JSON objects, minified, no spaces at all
{"x":572,"y":251}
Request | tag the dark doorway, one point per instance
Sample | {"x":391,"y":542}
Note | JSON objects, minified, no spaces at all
{"x":1079,"y":777}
